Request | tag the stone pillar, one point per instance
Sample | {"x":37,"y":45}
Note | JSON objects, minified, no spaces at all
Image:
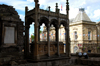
{"x":57,"y":39}
{"x":67,"y":30}
{"x":39,"y":33}
{"x":67,"y":42}
{"x":26,"y":47}
{"x":0,"y":32}
{"x":48,"y":39}
{"x":35,"y":46}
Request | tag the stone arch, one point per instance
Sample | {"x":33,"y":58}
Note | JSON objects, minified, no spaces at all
{"x":63,"y":22}
{"x":30,"y":20}
{"x":54,"y":22}
{"x":44,"y":20}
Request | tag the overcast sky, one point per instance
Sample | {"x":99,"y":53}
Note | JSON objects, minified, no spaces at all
{"x":92,"y":7}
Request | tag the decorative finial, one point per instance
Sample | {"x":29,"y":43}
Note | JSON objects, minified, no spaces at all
{"x":56,"y":5}
{"x":26,"y":10}
{"x":67,"y":5}
{"x":36,"y":0}
{"x":49,"y":8}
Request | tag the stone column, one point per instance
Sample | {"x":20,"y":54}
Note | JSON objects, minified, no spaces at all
{"x":39,"y":33}
{"x":0,"y":32}
{"x":35,"y":46}
{"x":26,"y":47}
{"x":57,"y":39}
{"x":67,"y":30}
{"x":67,"y":42}
{"x":48,"y":39}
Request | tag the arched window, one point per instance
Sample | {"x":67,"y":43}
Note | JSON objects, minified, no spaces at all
{"x":75,"y":35}
{"x":89,"y":35}
{"x":75,"y":49}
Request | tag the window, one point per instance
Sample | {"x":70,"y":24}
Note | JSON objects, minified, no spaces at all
{"x":75,"y":49}
{"x":89,"y":35}
{"x":75,"y":35}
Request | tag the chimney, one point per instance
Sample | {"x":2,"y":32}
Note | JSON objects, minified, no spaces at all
{"x":81,"y":9}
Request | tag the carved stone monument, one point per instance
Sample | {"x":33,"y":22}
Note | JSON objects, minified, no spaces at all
{"x":46,"y":50}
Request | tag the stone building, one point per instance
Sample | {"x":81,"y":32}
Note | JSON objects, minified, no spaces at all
{"x":11,"y":31}
{"x":84,"y":33}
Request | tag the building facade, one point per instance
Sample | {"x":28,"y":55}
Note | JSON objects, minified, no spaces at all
{"x":84,"y":34}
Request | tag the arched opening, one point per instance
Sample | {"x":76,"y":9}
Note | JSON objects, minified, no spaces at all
{"x":43,"y":32}
{"x":52,"y":33}
{"x":53,"y":30}
{"x":43,"y":25}
{"x":62,"y":33}
{"x":31,"y":31}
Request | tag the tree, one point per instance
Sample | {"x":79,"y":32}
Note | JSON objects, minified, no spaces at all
{"x":32,"y":37}
{"x":40,"y":31}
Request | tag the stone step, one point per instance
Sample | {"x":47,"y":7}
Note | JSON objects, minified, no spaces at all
{"x":78,"y":65}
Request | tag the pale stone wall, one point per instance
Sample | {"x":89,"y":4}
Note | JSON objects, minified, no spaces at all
{"x":76,"y":27}
{"x":91,"y":28}
{"x":62,"y":34}
{"x":99,"y":32}
{"x":82,"y":29}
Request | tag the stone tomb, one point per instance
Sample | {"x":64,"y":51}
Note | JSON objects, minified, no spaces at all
{"x":46,"y":50}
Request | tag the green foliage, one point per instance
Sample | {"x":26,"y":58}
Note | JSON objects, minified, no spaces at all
{"x":40,"y":31}
{"x":32,"y":37}
{"x":98,"y":47}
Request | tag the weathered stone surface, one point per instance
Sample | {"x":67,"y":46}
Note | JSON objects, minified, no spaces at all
{"x":49,"y":63}
{"x":11,"y":39}
{"x":13,"y":63}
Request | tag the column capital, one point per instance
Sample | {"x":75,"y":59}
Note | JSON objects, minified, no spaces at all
{"x":66,"y":28}
{"x":58,"y":26}
{"x":37,"y":25}
{"x":48,"y":26}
